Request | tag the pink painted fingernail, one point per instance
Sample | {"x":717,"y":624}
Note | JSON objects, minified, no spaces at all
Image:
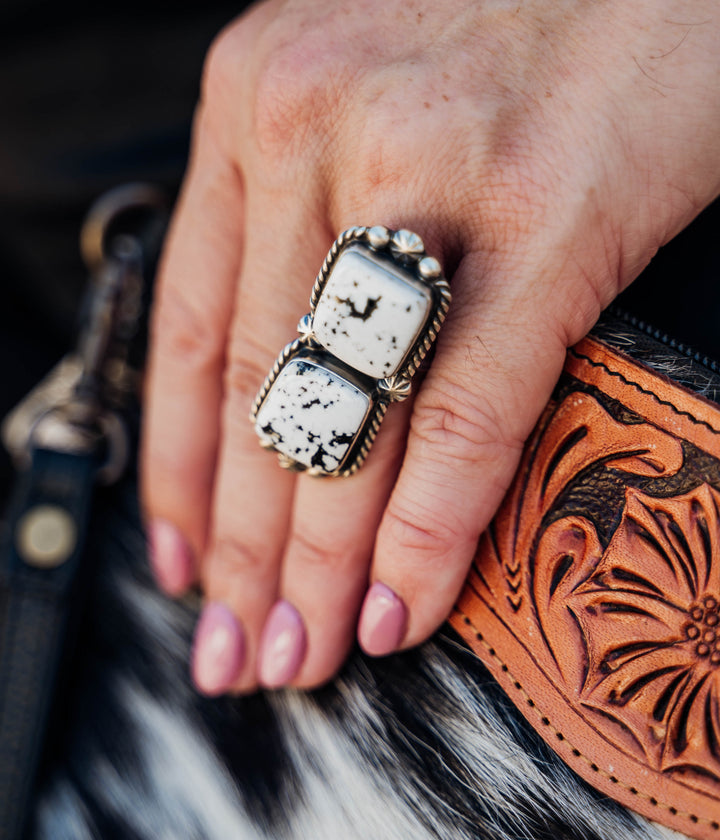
{"x":218,"y":650}
{"x":382,"y":621}
{"x":282,"y":645}
{"x":170,"y":557}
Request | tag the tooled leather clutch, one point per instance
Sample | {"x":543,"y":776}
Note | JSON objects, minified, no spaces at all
{"x":594,"y":597}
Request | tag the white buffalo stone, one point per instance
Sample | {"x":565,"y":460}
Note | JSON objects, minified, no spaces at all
{"x":370,"y":314}
{"x":312,"y":415}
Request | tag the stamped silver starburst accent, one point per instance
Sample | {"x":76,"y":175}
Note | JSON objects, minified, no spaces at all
{"x":305,"y":326}
{"x":406,"y":245}
{"x":395,"y":388}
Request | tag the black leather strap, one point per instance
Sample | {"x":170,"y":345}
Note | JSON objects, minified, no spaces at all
{"x":40,"y":561}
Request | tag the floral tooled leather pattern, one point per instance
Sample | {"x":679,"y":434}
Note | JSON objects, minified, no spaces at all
{"x":654,"y":663}
{"x":597,"y":588}
{"x":647,"y":616}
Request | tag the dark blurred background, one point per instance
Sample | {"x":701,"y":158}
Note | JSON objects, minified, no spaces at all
{"x":97,"y":95}
{"x":92,"y":96}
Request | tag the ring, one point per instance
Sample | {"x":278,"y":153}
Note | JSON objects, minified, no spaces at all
{"x":375,"y":310}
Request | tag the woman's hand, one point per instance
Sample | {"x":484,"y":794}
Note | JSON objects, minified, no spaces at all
{"x":543,"y":150}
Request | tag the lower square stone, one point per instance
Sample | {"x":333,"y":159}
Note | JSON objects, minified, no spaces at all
{"x":312,"y":414}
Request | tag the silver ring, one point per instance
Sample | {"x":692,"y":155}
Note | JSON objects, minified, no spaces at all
{"x":375,"y":311}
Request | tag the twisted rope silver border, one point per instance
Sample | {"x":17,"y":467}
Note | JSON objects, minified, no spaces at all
{"x":288,"y":351}
{"x":364,"y":444}
{"x":348,"y":236}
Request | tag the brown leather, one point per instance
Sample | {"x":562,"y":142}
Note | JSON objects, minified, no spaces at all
{"x":594,"y":597}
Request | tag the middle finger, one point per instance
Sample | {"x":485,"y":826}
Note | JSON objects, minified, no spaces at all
{"x":252,"y":496}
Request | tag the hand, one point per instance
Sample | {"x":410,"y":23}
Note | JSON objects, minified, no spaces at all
{"x":542,"y":150}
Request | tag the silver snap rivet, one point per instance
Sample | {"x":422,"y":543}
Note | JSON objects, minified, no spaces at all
{"x":45,"y":536}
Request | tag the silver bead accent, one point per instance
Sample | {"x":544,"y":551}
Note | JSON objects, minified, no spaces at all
{"x":406,"y":244}
{"x":287,"y":463}
{"x":429,"y":267}
{"x":315,"y":472}
{"x":378,"y":236}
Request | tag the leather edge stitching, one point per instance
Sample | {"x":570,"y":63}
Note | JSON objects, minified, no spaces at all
{"x":546,"y":722}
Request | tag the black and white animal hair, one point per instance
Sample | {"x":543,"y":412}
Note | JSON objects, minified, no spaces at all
{"x":419,"y":745}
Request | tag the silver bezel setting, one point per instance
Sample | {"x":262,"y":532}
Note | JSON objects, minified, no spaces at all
{"x":405,"y":249}
{"x":358,"y":450}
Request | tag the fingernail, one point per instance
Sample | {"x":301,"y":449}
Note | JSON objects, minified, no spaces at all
{"x":282,"y":645}
{"x":218,"y":650}
{"x":382,"y":621}
{"x":170,"y":557}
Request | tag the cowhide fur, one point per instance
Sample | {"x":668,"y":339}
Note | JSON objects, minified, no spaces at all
{"x":419,"y":745}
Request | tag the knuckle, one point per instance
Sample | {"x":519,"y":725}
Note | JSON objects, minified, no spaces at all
{"x":314,"y":552}
{"x":224,"y":65}
{"x":186,"y":331}
{"x":421,"y":532}
{"x":296,"y":94}
{"x":380,"y":167}
{"x":164,"y":472}
{"x":516,"y":202}
{"x":283,"y":109}
{"x":381,"y":162}
{"x":243,"y":379}
{"x":246,"y":369}
{"x":454,"y":425}
{"x":234,"y":556}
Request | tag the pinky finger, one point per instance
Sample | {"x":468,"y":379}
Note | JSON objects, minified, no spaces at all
{"x":184,"y":386}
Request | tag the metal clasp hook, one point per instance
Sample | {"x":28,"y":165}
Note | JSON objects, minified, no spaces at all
{"x":77,"y":408}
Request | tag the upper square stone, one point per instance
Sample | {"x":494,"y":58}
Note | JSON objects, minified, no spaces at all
{"x":370,"y":313}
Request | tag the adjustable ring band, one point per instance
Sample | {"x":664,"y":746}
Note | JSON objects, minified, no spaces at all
{"x":375,"y":311}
